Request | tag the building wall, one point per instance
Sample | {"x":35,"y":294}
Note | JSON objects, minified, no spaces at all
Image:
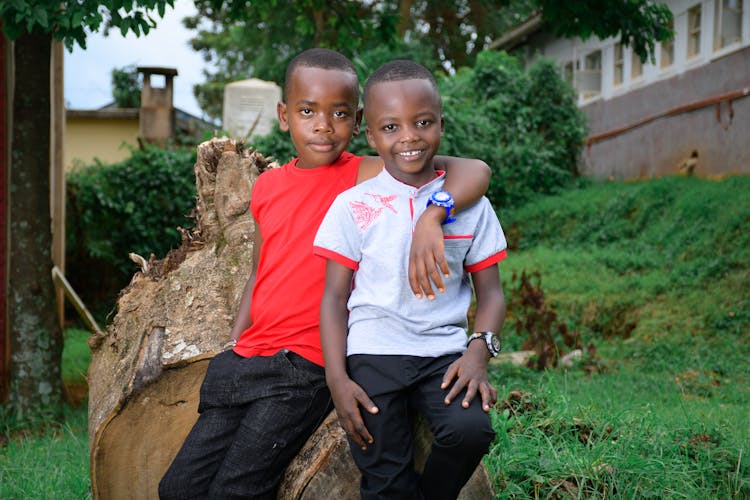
{"x":716,"y":129}
{"x":648,"y":106}
{"x":103,"y":138}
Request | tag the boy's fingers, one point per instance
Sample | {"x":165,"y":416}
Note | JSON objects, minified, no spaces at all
{"x":365,"y":401}
{"x":443,"y":263}
{"x":471,"y":391}
{"x":486,"y":393}
{"x":437,"y":278}
{"x":356,"y":430}
{"x":414,"y":276}
{"x":363,"y":437}
{"x":450,"y":373}
{"x":425,"y":286}
{"x":457,"y":387}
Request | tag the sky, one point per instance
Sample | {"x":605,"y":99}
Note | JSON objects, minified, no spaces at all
{"x":88,"y":73}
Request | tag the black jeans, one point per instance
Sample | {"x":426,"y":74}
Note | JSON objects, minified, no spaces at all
{"x":255,"y":415}
{"x":399,"y":386}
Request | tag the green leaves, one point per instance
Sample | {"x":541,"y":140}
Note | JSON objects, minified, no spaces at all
{"x":525,"y":125}
{"x":132,"y":206}
{"x":637,"y":22}
{"x":126,"y":87}
{"x":70,"y":21}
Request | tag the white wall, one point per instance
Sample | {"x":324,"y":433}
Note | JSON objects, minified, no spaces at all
{"x":565,"y":50}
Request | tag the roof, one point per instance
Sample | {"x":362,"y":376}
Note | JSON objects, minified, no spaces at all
{"x":106,"y":112}
{"x":518,"y":34}
{"x":157,"y":70}
{"x":184,"y":121}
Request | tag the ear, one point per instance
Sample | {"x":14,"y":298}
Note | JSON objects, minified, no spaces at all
{"x":370,"y":139}
{"x":357,"y":121}
{"x":281,"y":114}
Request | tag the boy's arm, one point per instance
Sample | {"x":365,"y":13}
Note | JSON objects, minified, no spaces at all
{"x":244,"y":320}
{"x":347,"y":395}
{"x":467,"y":181}
{"x":470,"y":370}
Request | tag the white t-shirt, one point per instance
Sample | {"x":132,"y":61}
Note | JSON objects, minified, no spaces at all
{"x":369,"y":229}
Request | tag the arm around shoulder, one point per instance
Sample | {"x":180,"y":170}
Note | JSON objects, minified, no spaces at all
{"x":465,"y":178}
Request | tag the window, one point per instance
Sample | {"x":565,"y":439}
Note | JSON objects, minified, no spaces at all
{"x":636,"y":66}
{"x":619,"y":62}
{"x":727,"y":23}
{"x":694,"y":31}
{"x":667,"y":50}
{"x":589,"y":81}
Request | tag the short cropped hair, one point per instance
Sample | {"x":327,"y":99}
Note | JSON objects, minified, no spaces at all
{"x":319,"y":58}
{"x":400,"y":69}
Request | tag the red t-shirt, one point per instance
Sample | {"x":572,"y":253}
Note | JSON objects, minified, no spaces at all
{"x":288,"y":204}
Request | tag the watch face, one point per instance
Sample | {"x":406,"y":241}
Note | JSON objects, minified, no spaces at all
{"x":496,"y":344}
{"x":441,"y":196}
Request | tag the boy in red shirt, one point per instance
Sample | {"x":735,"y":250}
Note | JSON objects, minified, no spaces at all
{"x":260,"y":401}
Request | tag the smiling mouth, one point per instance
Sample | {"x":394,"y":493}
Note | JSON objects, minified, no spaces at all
{"x":411,"y":155}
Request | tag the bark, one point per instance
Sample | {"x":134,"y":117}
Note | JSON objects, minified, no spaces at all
{"x":404,"y":18}
{"x":35,"y":335}
{"x":173,"y":317}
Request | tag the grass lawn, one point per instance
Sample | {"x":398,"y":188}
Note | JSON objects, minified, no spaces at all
{"x":655,"y":278}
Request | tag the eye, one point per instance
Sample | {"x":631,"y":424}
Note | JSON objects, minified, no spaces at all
{"x":305,"y":111}
{"x":340,"y":114}
{"x":389,"y":127}
{"x":423,"y":123}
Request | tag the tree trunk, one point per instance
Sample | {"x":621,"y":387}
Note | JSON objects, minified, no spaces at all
{"x":35,"y":336}
{"x":175,"y":315}
{"x":404,"y":18}
{"x":171,"y":319}
{"x":324,"y":469}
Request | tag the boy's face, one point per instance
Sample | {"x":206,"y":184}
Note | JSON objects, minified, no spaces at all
{"x":320,"y":114}
{"x":405,"y":124}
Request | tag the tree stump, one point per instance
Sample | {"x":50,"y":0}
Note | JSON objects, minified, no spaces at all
{"x":172,"y":318}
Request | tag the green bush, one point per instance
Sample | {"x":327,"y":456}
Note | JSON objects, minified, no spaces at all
{"x":524,"y":124}
{"x":132,"y":206}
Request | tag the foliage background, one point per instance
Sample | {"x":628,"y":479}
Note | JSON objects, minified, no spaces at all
{"x":132,"y":206}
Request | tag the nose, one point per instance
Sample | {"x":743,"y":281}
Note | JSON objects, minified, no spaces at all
{"x":322,"y":124}
{"x":408,"y":135}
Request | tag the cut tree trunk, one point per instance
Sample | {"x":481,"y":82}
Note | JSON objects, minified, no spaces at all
{"x":173,"y":317}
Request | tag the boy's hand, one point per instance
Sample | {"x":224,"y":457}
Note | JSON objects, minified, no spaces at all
{"x":470,"y":372}
{"x":347,"y":396}
{"x":427,"y":254}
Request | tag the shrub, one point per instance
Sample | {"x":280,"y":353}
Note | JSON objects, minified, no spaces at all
{"x":525,"y":125}
{"x":132,"y":206}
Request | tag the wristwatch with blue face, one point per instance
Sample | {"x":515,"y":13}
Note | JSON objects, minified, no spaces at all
{"x":494,"y":345}
{"x":443,"y":199}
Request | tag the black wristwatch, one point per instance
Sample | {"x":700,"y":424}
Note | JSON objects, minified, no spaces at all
{"x":491,"y":340}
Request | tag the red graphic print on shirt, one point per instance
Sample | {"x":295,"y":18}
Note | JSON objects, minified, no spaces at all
{"x":364,"y":214}
{"x":385,"y":201}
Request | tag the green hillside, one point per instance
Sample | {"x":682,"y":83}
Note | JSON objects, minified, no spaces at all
{"x":655,"y":277}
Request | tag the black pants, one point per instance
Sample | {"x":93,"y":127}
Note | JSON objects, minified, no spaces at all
{"x":399,"y":386}
{"x":255,"y":415}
